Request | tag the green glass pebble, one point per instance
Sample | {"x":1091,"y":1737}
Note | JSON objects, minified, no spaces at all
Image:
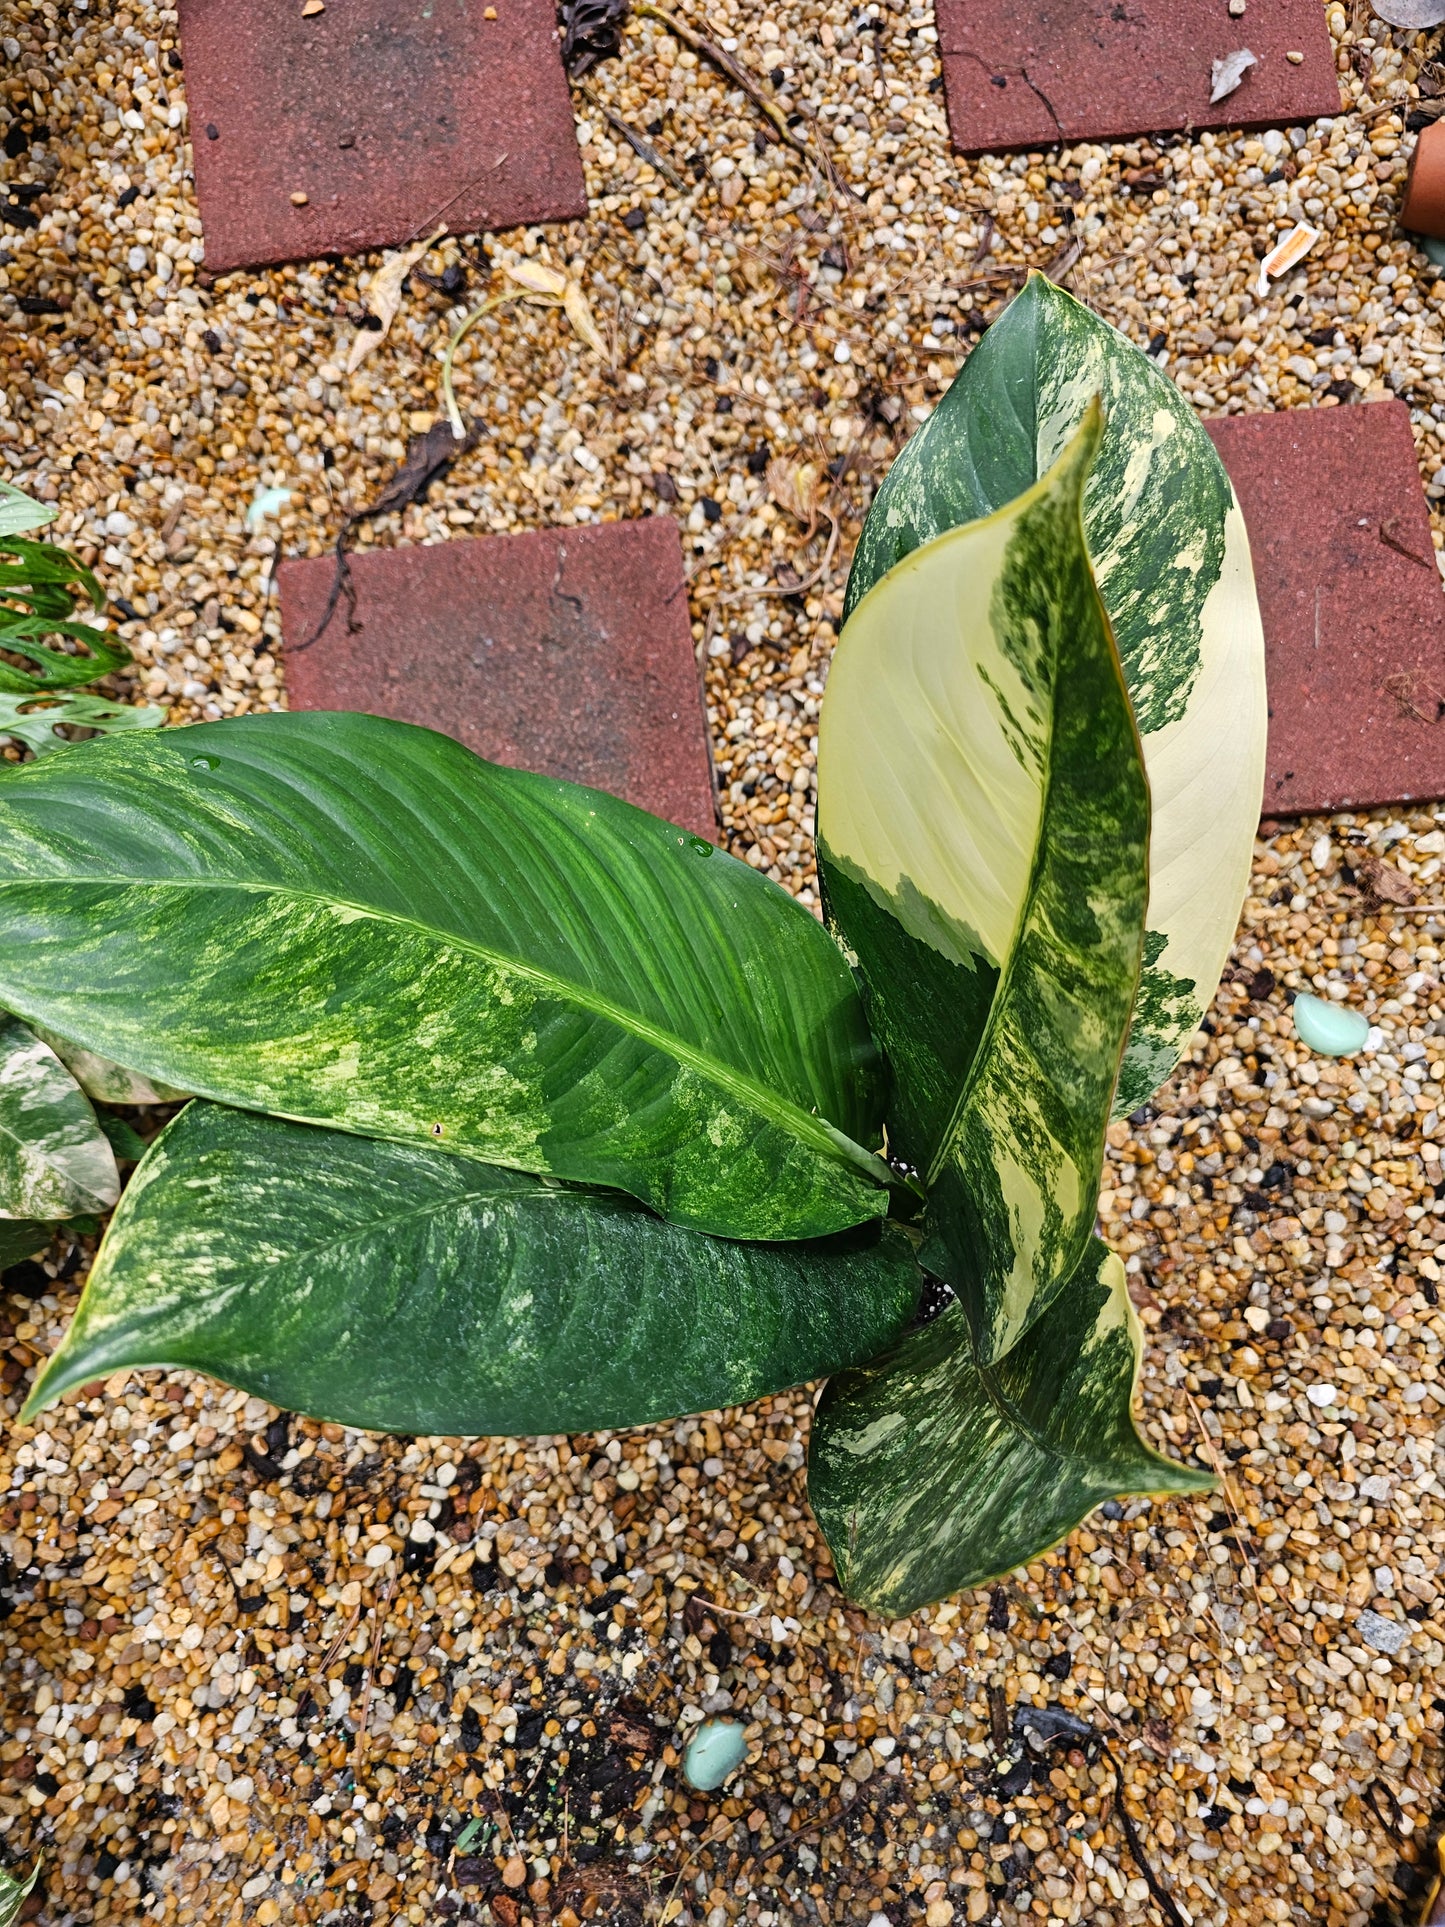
{"x":1330,"y":1029}
{"x":717,"y":1749}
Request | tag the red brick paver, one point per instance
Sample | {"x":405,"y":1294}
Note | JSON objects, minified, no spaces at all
{"x":568,"y":651}
{"x":1354,"y":613}
{"x":390,"y":119}
{"x":1031,"y":73}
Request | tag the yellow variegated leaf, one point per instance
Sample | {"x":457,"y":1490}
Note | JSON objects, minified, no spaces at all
{"x":1171,"y":558}
{"x":983,"y":819}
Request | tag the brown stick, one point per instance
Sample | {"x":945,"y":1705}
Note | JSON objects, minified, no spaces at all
{"x":643,"y":149}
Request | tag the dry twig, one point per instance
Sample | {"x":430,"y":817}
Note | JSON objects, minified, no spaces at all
{"x":643,"y":149}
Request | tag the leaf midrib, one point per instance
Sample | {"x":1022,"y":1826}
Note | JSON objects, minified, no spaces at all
{"x":1002,"y":989}
{"x":805,"y":1125}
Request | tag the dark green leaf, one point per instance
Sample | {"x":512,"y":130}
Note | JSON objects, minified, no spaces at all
{"x":358,"y":923}
{"x":39,"y":591}
{"x":395,"y":1288}
{"x":22,"y":1238}
{"x":124,"y":1139}
{"x":930,"y":1474}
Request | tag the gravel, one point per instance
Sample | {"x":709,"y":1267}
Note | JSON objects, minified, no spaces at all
{"x":241,"y":1679}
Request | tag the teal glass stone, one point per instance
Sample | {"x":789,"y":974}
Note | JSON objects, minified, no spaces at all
{"x":1330,"y":1029}
{"x":715,"y":1751}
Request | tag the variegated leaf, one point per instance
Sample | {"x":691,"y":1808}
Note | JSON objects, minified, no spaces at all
{"x":14,"y":1893}
{"x":54,"y":1157}
{"x":396,"y":1288}
{"x":930,"y":1473}
{"x":1171,"y":557}
{"x":983,"y":817}
{"x":99,"y":1078}
{"x":353,"y":922}
{"x":33,"y":717}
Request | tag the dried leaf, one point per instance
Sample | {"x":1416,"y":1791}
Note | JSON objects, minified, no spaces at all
{"x":797,"y":487}
{"x":579,"y":313}
{"x":1410,"y":13}
{"x":426,"y":456}
{"x":591,"y":31}
{"x":383,"y":297}
{"x":550,"y":284}
{"x":758,"y":273}
{"x":1229,"y":72}
{"x":1384,"y":882}
{"x":537,"y":278}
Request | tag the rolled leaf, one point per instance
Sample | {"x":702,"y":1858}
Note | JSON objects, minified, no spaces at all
{"x":396,"y":1288}
{"x":1171,"y":557}
{"x":354,"y":922}
{"x":54,"y":1157}
{"x":931,"y":1474}
{"x":983,"y":811}
{"x":100,"y":1079}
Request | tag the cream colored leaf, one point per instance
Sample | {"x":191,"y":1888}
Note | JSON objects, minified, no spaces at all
{"x":537,"y":278}
{"x":1171,"y":557}
{"x":383,"y":297}
{"x":797,"y":487}
{"x":579,"y":313}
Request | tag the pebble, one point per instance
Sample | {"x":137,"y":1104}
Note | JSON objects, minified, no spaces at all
{"x":313,"y":1666}
{"x":1385,"y":1635}
{"x":714,"y":1754}
{"x":1330,"y":1029}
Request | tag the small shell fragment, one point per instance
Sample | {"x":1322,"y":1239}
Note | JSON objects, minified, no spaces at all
{"x":1411,"y":13}
{"x":298,"y":199}
{"x":1226,"y":74}
{"x":1287,"y":254}
{"x":312,"y":8}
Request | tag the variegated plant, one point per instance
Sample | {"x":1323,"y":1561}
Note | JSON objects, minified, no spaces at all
{"x":1039,"y":774}
{"x":522,"y":1111}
